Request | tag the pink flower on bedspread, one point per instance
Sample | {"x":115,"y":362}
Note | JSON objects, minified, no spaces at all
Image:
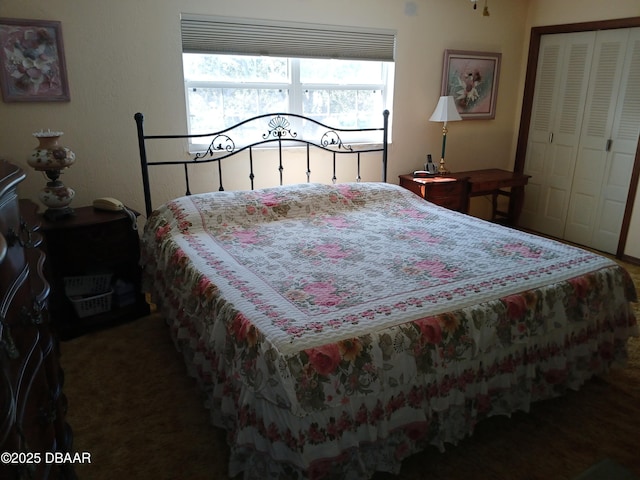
{"x":337,"y":222}
{"x":402,"y":451}
{"x":252,"y":210}
{"x":423,"y":237}
{"x":162,"y":232}
{"x":516,"y":306}
{"x":556,"y":376}
{"x":324,"y":467}
{"x":416,"y":431}
{"x":581,"y":285}
{"x":522,"y":250}
{"x":204,"y":288}
{"x":243,"y":330}
{"x":324,"y":359}
{"x":349,"y":192}
{"x":412,"y":213}
{"x":268,"y":199}
{"x":436,"y":268}
{"x":430,"y":329}
{"x":179,"y":258}
{"x":246,"y":236}
{"x":332,"y":251}
{"x":180,"y":216}
{"x":323,"y":293}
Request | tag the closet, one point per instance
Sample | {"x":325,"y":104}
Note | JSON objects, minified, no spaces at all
{"x":583,"y":135}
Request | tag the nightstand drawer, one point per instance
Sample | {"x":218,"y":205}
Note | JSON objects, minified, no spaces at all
{"x":452,"y":203}
{"x":445,"y":191}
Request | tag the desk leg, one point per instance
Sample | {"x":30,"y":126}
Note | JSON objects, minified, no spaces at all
{"x":515,"y":205}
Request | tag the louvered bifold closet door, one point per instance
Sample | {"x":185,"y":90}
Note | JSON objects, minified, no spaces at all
{"x":556,"y":119}
{"x":608,"y":142}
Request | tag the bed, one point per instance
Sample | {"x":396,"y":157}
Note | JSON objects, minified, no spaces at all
{"x":337,"y":328}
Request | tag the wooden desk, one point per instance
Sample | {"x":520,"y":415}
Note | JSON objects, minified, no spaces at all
{"x":476,"y":183}
{"x":491,"y":181}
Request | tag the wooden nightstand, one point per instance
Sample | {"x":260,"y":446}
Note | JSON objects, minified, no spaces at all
{"x":445,"y":191}
{"x":87,"y":245}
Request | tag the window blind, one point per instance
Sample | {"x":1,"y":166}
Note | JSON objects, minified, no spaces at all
{"x":204,"y":34}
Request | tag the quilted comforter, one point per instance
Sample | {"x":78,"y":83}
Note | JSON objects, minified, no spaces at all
{"x":338,"y":329}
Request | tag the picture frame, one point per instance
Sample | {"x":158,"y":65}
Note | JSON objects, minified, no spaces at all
{"x":32,"y":62}
{"x":472,"y":79}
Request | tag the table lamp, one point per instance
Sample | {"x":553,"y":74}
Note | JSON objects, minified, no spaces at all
{"x":52,"y":158}
{"x":445,"y":111}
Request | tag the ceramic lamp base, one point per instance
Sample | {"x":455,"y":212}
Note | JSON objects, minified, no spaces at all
{"x":57,"y":197}
{"x":54,"y":214}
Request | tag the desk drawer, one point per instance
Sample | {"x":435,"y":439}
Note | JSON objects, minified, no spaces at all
{"x":446,"y":189}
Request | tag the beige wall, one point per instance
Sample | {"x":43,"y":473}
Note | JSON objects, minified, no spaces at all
{"x":123,"y":56}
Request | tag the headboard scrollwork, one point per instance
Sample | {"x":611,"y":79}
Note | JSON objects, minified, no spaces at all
{"x":280,"y":130}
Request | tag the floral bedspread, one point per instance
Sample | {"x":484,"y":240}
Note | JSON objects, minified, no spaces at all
{"x":341,"y":328}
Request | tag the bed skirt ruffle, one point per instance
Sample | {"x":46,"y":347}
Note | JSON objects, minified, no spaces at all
{"x":355,"y":441}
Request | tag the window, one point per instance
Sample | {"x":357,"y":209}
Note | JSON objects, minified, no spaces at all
{"x":234,"y":69}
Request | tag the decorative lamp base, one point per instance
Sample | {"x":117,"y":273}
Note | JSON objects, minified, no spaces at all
{"x":441,"y":168}
{"x":54,"y":214}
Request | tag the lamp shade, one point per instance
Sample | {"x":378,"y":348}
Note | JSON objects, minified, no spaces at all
{"x":445,"y":111}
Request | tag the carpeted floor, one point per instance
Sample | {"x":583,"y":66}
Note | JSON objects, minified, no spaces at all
{"x":135,"y":410}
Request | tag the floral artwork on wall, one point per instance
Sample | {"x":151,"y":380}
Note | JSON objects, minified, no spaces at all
{"x":472,"y":79}
{"x":32,"y":64}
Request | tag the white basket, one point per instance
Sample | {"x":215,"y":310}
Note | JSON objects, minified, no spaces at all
{"x":87,"y":285}
{"x":87,"y":306}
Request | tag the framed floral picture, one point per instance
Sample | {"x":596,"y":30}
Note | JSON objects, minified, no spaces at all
{"x":471,"y":78}
{"x":32,"y":64}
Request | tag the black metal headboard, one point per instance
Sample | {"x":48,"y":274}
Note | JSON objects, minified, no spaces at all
{"x":273,"y":128}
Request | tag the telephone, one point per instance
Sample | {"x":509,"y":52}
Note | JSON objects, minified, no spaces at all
{"x":108,"y":203}
{"x":430,"y":169}
{"x":430,"y":166}
{"x":111,"y":204}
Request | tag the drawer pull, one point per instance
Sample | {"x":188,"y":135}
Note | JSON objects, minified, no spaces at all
{"x":3,"y":248}
{"x":33,"y":317}
{"x":25,"y":238}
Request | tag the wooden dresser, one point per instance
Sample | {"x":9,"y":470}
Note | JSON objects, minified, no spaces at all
{"x":32,"y":406}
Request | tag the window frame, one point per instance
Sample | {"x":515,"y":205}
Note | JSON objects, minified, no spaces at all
{"x":295,"y":90}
